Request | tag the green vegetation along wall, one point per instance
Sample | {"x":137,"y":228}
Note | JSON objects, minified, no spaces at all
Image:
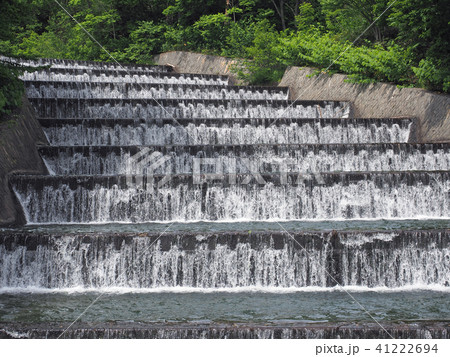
{"x":408,"y":43}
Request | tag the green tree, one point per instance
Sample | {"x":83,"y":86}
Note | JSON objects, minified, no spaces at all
{"x":13,"y":15}
{"x":187,"y":12}
{"x":424,"y":26}
{"x":352,"y":17}
{"x":264,"y":65}
{"x":213,"y":31}
{"x":146,"y":41}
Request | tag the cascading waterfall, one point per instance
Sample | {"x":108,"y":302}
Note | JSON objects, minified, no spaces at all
{"x":169,"y":108}
{"x":138,"y":144}
{"x":305,"y":196}
{"x":225,"y":132}
{"x":131,"y":76}
{"x":227,"y":260}
{"x":118,"y":160}
{"x":83,"y":90}
{"x":68,"y":65}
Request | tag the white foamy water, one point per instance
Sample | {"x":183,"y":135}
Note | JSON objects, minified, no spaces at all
{"x":127,"y":78}
{"x":390,"y":197}
{"x":113,"y":90}
{"x":249,"y":289}
{"x":144,"y":109}
{"x":120,"y":160}
{"x":227,"y":261}
{"x":224,"y":134}
{"x":73,"y":65}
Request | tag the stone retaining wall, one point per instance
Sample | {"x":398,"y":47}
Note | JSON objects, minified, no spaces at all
{"x":19,"y":135}
{"x":378,"y":100}
{"x":197,"y":63}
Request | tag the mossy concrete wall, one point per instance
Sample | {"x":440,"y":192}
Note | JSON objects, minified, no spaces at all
{"x":431,"y":110}
{"x":20,"y":132}
{"x":378,"y":100}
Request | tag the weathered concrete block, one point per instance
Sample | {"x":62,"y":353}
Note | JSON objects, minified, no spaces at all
{"x":197,"y":63}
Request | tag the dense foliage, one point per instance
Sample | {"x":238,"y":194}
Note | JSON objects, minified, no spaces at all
{"x":408,"y":44}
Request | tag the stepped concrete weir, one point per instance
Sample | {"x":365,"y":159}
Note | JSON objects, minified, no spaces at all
{"x":227,"y":259}
{"x":109,"y":330}
{"x":208,"y":210}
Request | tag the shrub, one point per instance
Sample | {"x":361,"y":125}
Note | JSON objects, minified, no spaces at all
{"x":146,"y":41}
{"x":265,"y":65}
{"x":431,"y":74}
{"x":11,"y":88}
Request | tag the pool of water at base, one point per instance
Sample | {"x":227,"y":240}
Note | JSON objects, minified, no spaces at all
{"x":302,"y":307}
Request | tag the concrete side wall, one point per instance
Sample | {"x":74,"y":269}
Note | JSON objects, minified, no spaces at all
{"x":19,"y":135}
{"x":376,"y":101}
{"x":197,"y":63}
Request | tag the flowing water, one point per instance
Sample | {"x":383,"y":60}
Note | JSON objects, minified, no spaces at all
{"x":195,"y":209}
{"x":118,"y":160}
{"x":225,"y":260}
{"x":224,"y":132}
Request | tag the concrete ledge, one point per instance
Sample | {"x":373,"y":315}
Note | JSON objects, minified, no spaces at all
{"x":19,"y":135}
{"x":376,"y":101}
{"x":119,"y":330}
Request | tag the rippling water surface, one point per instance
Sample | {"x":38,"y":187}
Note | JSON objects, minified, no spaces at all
{"x":215,"y":306}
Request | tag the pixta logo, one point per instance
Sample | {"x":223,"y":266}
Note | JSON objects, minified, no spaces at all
{"x":244,"y":171}
{"x":151,"y":169}
{"x":147,"y":170}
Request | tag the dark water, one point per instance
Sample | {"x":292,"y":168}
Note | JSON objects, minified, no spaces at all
{"x":259,"y":306}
